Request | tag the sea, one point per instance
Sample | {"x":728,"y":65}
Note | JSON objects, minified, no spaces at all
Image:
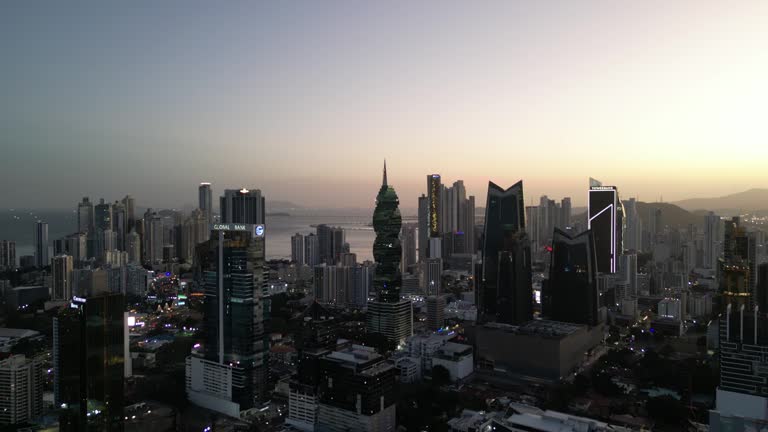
{"x":19,"y":225}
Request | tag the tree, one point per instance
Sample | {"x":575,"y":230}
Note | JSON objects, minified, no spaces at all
{"x":667,"y":410}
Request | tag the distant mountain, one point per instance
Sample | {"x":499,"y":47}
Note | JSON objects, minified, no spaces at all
{"x":671,"y":214}
{"x":281,"y":205}
{"x":753,"y":200}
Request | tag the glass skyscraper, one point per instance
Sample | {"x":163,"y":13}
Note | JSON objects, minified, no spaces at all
{"x":572,"y":285}
{"x":89,"y":364}
{"x":230,"y":373}
{"x":506,"y":293}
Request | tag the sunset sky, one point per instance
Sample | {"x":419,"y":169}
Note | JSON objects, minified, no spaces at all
{"x":304,"y":100}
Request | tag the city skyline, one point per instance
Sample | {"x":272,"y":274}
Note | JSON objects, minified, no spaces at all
{"x":106,"y":99}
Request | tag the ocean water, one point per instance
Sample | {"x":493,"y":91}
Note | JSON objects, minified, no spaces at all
{"x":19,"y":225}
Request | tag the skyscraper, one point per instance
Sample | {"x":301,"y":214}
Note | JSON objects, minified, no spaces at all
{"x":423,"y":227}
{"x":88,"y":355}
{"x":572,"y":282}
{"x":389,"y":315}
{"x":297,"y":249}
{"x":506,"y":292}
{"x":713,"y":236}
{"x":434,"y":190}
{"x":605,"y":222}
{"x":311,"y":250}
{"x":408,"y":242}
{"x":102,"y":215}
{"x":85,"y":216}
{"x":242,"y":206}
{"x":7,"y":254}
{"x":61,"y":272}
{"x":130,"y":212}
{"x":330,"y":241}
{"x":119,"y":224}
{"x":205,"y":201}
{"x":231,"y":373}
{"x":41,"y":244}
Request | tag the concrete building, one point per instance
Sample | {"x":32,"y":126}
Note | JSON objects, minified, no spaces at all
{"x":21,"y":389}
{"x":7,"y":254}
{"x":543,"y":349}
{"x":458,"y":359}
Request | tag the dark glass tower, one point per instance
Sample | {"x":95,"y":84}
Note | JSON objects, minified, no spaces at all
{"x":236,"y":314}
{"x":506,"y":293}
{"x":572,"y":285}
{"x":88,"y":364}
{"x":388,"y":315}
{"x":386,"y":248}
{"x":242,"y":206}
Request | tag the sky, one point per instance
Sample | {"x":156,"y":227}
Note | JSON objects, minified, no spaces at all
{"x":305,"y":99}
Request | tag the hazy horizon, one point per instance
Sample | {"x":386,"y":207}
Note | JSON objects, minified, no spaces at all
{"x":304,"y":100}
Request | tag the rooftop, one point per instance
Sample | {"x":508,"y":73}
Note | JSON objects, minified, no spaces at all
{"x":546,"y":328}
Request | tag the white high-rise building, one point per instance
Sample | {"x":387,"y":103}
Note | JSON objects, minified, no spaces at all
{"x":21,"y":389}
{"x":61,"y":284}
{"x":205,"y":200}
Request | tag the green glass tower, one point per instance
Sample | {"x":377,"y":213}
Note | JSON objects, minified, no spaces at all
{"x":386,"y":248}
{"x":388,"y":315}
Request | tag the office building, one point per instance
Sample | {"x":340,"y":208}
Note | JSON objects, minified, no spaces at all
{"x":742,"y":396}
{"x":102,"y":216}
{"x":242,"y":206}
{"x":572,"y":281}
{"x":297,"y":249}
{"x":153,"y":240}
{"x":41,"y":245}
{"x":435,"y":312}
{"x":761,"y":294}
{"x":505,"y":291}
{"x":119,"y":224}
{"x":85,"y":216}
{"x":89,"y":356}
{"x":75,"y":245}
{"x":331,"y":242}
{"x":7,"y":254}
{"x":357,"y":391}
{"x":388,"y":315}
{"x":457,"y":359}
{"x":21,"y":389}
{"x":205,"y":201}
{"x":231,"y":373}
{"x":408,"y":242}
{"x":423,"y":217}
{"x":130,"y":212}
{"x":605,"y":215}
{"x":61,"y":283}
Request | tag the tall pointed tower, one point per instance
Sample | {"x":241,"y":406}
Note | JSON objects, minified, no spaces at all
{"x":388,"y":315}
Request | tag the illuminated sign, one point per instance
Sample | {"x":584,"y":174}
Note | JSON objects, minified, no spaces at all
{"x":603,"y":188}
{"x":131,"y":321}
{"x":77,"y":299}
{"x":258,"y":230}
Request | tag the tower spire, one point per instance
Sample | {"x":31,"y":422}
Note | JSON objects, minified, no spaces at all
{"x":384,"y":179}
